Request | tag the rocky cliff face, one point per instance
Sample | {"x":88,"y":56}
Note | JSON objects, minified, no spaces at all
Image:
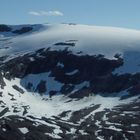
{"x":62,"y":91}
{"x":67,"y":69}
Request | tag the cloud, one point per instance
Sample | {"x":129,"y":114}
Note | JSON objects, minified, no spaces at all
{"x":46,"y":13}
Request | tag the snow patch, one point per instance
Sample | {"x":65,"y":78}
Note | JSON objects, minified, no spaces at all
{"x":72,"y":73}
{"x":24,"y":130}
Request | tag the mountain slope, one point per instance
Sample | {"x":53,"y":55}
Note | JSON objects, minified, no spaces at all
{"x":69,"y":81}
{"x":103,"y":40}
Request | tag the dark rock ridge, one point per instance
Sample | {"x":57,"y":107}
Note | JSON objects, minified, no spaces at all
{"x":96,"y":69}
{"x":64,"y":44}
{"x":22,"y":30}
{"x":18,"y":89}
{"x":4,"y":28}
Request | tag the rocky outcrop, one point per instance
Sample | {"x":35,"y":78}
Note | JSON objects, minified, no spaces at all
{"x":97,"y":70}
{"x":18,"y":89}
{"x":41,"y":87}
{"x":4,"y":28}
{"x":65,"y":44}
{"x":2,"y":83}
{"x":23,"y":30}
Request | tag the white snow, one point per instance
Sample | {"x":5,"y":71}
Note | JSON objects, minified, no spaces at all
{"x":116,"y":124}
{"x":107,"y":103}
{"x":55,"y":106}
{"x":136,"y":107}
{"x":97,"y":123}
{"x":124,"y":135}
{"x":134,"y":125}
{"x":90,"y":39}
{"x":53,"y":135}
{"x":57,"y":131}
{"x":100,"y":138}
{"x":114,"y":128}
{"x":24,"y":130}
{"x":83,"y":132}
{"x":131,"y":132}
{"x":104,"y":117}
{"x":60,"y":64}
{"x":72,"y":73}
{"x":32,"y":59}
{"x":3,"y":129}
{"x":72,"y":131}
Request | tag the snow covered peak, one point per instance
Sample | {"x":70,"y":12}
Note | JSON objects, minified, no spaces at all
{"x":78,"y":38}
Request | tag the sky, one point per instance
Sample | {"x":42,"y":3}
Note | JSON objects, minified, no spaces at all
{"x":119,"y":13}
